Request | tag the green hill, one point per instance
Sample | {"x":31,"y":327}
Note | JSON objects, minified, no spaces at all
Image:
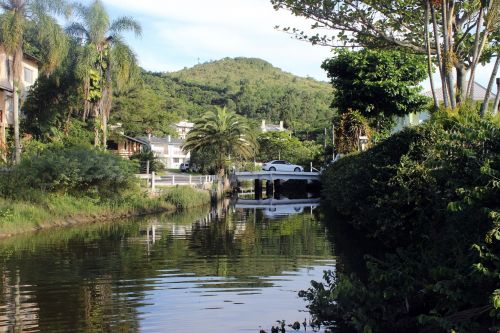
{"x":251,"y":87}
{"x":230,"y":72}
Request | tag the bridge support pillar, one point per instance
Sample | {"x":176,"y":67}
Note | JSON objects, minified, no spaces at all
{"x":269,"y":188}
{"x":277,"y":188}
{"x":258,"y":189}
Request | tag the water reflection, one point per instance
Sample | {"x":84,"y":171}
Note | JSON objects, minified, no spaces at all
{"x":222,"y":270}
{"x":278,"y":207}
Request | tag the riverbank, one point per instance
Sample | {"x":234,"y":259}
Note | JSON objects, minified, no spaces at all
{"x":41,"y":210}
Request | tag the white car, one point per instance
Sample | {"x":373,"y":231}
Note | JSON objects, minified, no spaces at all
{"x":280,"y":165}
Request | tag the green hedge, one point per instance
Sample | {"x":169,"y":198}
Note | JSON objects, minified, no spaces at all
{"x":428,"y":197}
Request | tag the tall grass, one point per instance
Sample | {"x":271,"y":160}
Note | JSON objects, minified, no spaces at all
{"x":42,"y":209}
{"x":184,"y":197}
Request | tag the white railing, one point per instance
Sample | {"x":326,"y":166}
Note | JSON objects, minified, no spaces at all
{"x":177,"y":179}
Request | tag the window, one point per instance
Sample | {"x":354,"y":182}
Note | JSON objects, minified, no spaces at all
{"x":28,"y":75}
{"x":176,"y":160}
{"x":7,"y":68}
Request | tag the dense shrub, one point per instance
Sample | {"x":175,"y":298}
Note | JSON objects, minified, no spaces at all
{"x":429,"y":197}
{"x":73,"y":170}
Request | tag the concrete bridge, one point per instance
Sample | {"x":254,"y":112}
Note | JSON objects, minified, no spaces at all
{"x":276,"y":175}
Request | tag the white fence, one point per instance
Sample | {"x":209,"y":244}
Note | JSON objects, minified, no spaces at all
{"x":177,"y":179}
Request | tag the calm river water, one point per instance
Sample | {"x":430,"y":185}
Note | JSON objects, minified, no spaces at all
{"x":225,"y":270}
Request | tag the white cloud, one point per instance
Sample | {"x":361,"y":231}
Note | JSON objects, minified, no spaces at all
{"x":177,"y":33}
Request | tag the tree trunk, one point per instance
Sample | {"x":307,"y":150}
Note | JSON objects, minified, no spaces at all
{"x":447,"y":61}
{"x":497,"y":100}
{"x":429,"y":57}
{"x":440,"y":60}
{"x":3,"y":130}
{"x":104,"y":131}
{"x":475,"y":55}
{"x":97,"y":141}
{"x":16,"y":87}
{"x":17,"y":137}
{"x":486,"y":101}
{"x":490,"y":19}
{"x":461,"y":82}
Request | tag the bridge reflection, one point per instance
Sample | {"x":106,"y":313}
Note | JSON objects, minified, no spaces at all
{"x":273,"y":208}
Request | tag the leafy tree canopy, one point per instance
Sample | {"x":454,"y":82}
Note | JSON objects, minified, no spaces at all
{"x":282,"y":145}
{"x":377,"y":82}
{"x":225,"y":133}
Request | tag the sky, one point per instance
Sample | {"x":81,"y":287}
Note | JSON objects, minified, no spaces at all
{"x":183,"y":33}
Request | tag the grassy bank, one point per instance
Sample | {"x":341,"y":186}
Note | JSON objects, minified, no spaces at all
{"x":44,"y":210}
{"x":63,"y":185}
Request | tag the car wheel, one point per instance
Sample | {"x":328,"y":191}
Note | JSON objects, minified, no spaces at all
{"x":272,"y":169}
{"x":296,"y":169}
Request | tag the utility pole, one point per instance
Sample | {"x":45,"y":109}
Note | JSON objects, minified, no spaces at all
{"x":333,"y":142}
{"x":324,"y":145}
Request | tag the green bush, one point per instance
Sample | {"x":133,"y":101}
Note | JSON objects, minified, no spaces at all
{"x":72,"y":170}
{"x":428,"y":198}
{"x":184,"y":197}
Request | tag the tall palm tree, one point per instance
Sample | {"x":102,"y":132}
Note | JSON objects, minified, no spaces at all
{"x":106,"y":62}
{"x":224,"y":133}
{"x":17,"y":19}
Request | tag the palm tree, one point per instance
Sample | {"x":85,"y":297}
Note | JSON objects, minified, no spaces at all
{"x":19,"y":18}
{"x":224,"y":133}
{"x":106,"y":62}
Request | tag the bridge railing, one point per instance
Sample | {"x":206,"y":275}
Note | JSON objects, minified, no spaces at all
{"x":154,"y":180}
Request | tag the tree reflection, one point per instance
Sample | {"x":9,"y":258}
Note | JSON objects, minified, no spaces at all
{"x":97,"y":277}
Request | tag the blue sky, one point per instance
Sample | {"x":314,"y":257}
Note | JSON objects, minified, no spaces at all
{"x":181,"y":33}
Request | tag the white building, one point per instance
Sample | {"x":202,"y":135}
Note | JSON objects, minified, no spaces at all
{"x":29,"y":75}
{"x":271,"y":127}
{"x":183,"y":127}
{"x":168,"y":150}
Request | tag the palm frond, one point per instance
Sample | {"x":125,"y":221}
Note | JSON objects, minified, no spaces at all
{"x":41,"y":7}
{"x":125,"y":24}
{"x":124,"y":64}
{"x":53,"y":43}
{"x":97,"y":22}
{"x":224,"y":132}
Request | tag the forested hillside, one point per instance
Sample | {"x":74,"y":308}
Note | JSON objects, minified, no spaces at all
{"x":251,"y":87}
